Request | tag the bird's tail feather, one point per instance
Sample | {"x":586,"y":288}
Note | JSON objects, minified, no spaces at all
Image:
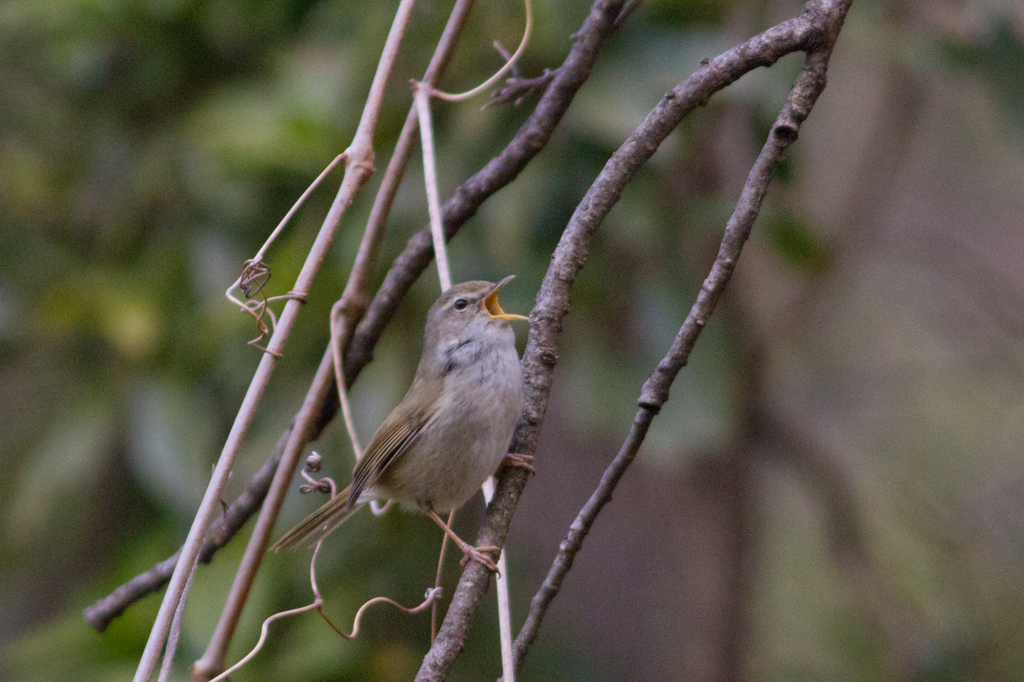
{"x":319,"y":523}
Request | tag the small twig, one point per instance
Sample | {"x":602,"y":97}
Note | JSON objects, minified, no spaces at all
{"x":500,"y":49}
{"x":509,"y":64}
{"x":421,"y":95}
{"x":508,"y":669}
{"x":337,"y":315}
{"x":626,"y":11}
{"x":295,"y":207}
{"x":521,"y":88}
{"x":337,"y":322}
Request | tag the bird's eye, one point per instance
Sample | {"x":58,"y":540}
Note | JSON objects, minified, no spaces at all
{"x":460,"y":304}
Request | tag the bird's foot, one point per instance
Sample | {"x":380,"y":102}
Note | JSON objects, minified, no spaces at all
{"x":470,"y":553}
{"x":514,"y":459}
{"x":479,"y":555}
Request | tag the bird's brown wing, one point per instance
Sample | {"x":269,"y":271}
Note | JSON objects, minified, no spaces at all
{"x":393,"y":438}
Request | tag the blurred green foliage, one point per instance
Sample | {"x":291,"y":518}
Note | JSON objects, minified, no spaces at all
{"x":147,"y":147}
{"x":795,"y":243}
{"x":997,"y":55}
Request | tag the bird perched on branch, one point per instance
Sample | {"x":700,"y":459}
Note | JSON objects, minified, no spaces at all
{"x":451,"y":430}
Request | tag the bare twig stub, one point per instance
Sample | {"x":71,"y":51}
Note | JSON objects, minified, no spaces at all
{"x":517,"y":88}
{"x":815,"y":32}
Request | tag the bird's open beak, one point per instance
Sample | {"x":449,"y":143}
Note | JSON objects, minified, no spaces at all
{"x":494,"y":310}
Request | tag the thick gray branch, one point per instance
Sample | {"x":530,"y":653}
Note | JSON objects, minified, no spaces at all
{"x":814,"y":32}
{"x":655,"y":392}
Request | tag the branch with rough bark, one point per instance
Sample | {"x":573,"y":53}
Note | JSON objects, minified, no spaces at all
{"x":814,"y":32}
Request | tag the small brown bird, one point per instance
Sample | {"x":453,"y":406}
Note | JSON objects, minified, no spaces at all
{"x":451,"y":430}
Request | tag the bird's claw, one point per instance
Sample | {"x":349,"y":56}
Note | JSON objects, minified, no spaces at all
{"x":479,"y":555}
{"x":514,"y":459}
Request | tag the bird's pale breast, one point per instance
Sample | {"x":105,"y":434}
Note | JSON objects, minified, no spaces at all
{"x":469,"y":434}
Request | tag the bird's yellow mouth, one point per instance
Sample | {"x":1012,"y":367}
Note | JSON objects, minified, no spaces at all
{"x":494,"y":310}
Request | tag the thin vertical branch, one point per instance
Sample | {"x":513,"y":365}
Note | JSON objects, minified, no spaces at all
{"x":508,"y":668}
{"x":339,"y":380}
{"x":179,"y":616}
{"x":337,"y":323}
{"x":358,"y":166}
{"x":421,"y":95}
{"x":422,"y":99}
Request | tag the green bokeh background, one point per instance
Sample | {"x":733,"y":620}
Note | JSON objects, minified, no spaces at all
{"x":147,"y":147}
